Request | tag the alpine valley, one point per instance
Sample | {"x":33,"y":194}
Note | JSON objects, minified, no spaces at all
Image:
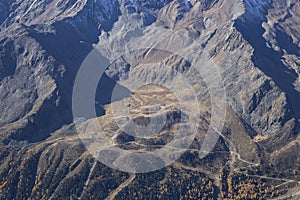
{"x":255,"y":45}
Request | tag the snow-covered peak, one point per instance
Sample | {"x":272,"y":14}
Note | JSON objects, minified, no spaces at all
{"x":44,"y":11}
{"x":146,"y":4}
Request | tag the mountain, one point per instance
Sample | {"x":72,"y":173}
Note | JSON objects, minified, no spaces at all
{"x":222,"y":74}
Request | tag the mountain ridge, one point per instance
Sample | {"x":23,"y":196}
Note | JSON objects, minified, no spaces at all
{"x":254,"y":43}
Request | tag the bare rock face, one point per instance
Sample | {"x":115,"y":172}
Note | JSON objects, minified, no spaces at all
{"x":254,"y":44}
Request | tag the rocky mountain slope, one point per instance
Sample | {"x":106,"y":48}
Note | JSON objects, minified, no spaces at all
{"x":254,"y":44}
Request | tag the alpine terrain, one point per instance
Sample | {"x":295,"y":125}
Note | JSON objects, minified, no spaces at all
{"x":217,"y":81}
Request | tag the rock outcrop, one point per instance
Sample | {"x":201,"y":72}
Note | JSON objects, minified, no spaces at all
{"x":254,"y":44}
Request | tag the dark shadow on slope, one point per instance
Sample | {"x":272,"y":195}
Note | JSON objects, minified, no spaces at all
{"x":105,"y":88}
{"x":66,"y":48}
{"x":107,"y":24}
{"x":5,"y":9}
{"x":8,"y":60}
{"x":69,"y":45}
{"x":269,"y":62}
{"x":286,"y":42}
